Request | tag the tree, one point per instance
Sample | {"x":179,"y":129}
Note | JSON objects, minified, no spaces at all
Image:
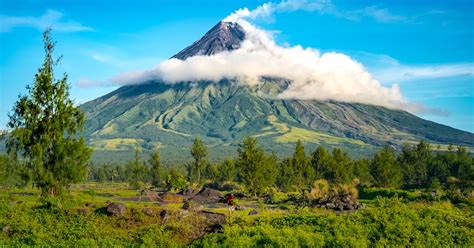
{"x":199,"y":153}
{"x":341,"y":169}
{"x":321,"y":161}
{"x":362,"y":171}
{"x":155,"y":168}
{"x":45,"y":126}
{"x":256,"y":169}
{"x":296,"y":172}
{"x":136,"y":170}
{"x":175,"y":180}
{"x":227,"y":170}
{"x":384,"y":168}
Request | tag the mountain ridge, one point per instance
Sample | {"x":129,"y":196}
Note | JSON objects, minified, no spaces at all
{"x":159,"y":115}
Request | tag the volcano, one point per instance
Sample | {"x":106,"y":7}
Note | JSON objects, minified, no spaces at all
{"x":167,"y":117}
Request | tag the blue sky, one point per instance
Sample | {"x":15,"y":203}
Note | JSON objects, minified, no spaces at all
{"x":424,"y":46}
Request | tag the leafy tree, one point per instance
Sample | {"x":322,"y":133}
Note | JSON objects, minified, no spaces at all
{"x":416,"y":161}
{"x":45,"y":124}
{"x":256,"y":169}
{"x":155,"y":168}
{"x":211,"y":172}
{"x":362,"y":171}
{"x":321,"y":161}
{"x":341,"y":169}
{"x":227,"y":170}
{"x":384,"y":168}
{"x":465,"y":166}
{"x":296,"y":172}
{"x":175,"y":180}
{"x":136,"y":170}
{"x":199,"y":153}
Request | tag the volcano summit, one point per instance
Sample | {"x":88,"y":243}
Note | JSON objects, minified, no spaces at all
{"x":156,"y":114}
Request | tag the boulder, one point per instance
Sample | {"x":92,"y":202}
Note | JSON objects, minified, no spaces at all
{"x":207,"y":196}
{"x":253,"y":212}
{"x":165,"y":214}
{"x":240,"y":208}
{"x":149,"y":212}
{"x":186,"y":205}
{"x":116,"y":208}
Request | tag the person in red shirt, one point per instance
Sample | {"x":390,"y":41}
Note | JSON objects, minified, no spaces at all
{"x":231,"y":203}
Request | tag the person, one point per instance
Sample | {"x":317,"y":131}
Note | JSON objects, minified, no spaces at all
{"x":231,"y":203}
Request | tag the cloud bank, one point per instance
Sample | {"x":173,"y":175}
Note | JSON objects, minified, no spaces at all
{"x":314,"y":76}
{"x":51,"y":18}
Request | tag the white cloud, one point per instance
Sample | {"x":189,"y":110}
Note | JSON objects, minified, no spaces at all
{"x":267,"y":10}
{"x":51,"y":18}
{"x":314,"y":76}
{"x":389,"y":70}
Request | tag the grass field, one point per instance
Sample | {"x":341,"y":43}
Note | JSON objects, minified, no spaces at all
{"x":79,"y":220}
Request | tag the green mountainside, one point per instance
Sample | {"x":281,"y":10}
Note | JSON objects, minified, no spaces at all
{"x":157,"y":115}
{"x":169,"y":116}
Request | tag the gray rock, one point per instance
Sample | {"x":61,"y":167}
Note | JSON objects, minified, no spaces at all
{"x":165,"y":214}
{"x":6,"y":229}
{"x":253,"y":212}
{"x":116,"y":208}
{"x":149,"y":212}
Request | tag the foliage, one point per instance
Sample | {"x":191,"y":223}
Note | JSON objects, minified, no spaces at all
{"x":256,"y":169}
{"x":199,"y":153}
{"x":389,"y":223}
{"x":156,"y":169}
{"x":384,"y":169}
{"x":44,"y":127}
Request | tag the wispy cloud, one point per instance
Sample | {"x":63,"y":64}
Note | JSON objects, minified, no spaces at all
{"x":51,"y":18}
{"x":389,"y":70}
{"x":267,"y":10}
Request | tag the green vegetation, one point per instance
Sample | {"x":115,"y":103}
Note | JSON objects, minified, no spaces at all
{"x":44,"y":125}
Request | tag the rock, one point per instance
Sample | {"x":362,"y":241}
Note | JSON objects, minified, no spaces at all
{"x":165,"y":214}
{"x":240,"y":208}
{"x":149,"y":212}
{"x":253,"y":212}
{"x":189,"y":192}
{"x":186,"y":205}
{"x":6,"y":229}
{"x":88,"y":204}
{"x":82,"y":211}
{"x":214,"y":220}
{"x":116,"y":208}
{"x":207,"y":196}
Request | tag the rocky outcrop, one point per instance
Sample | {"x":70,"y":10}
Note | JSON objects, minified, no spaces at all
{"x":116,"y":209}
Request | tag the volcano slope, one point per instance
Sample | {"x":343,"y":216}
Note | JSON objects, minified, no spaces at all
{"x":165,"y":116}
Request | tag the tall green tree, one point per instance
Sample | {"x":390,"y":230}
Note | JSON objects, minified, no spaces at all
{"x":341,"y":169}
{"x":227,"y":170}
{"x":136,"y":170}
{"x":256,"y":169}
{"x":361,"y":170}
{"x":199,"y":153}
{"x":296,"y":172}
{"x":321,"y":161}
{"x":45,"y":126}
{"x":155,"y":168}
{"x":384,"y":168}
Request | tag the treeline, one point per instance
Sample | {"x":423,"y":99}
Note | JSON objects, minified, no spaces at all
{"x":415,"y":166}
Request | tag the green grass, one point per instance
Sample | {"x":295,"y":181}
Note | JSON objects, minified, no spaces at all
{"x":384,"y":222}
